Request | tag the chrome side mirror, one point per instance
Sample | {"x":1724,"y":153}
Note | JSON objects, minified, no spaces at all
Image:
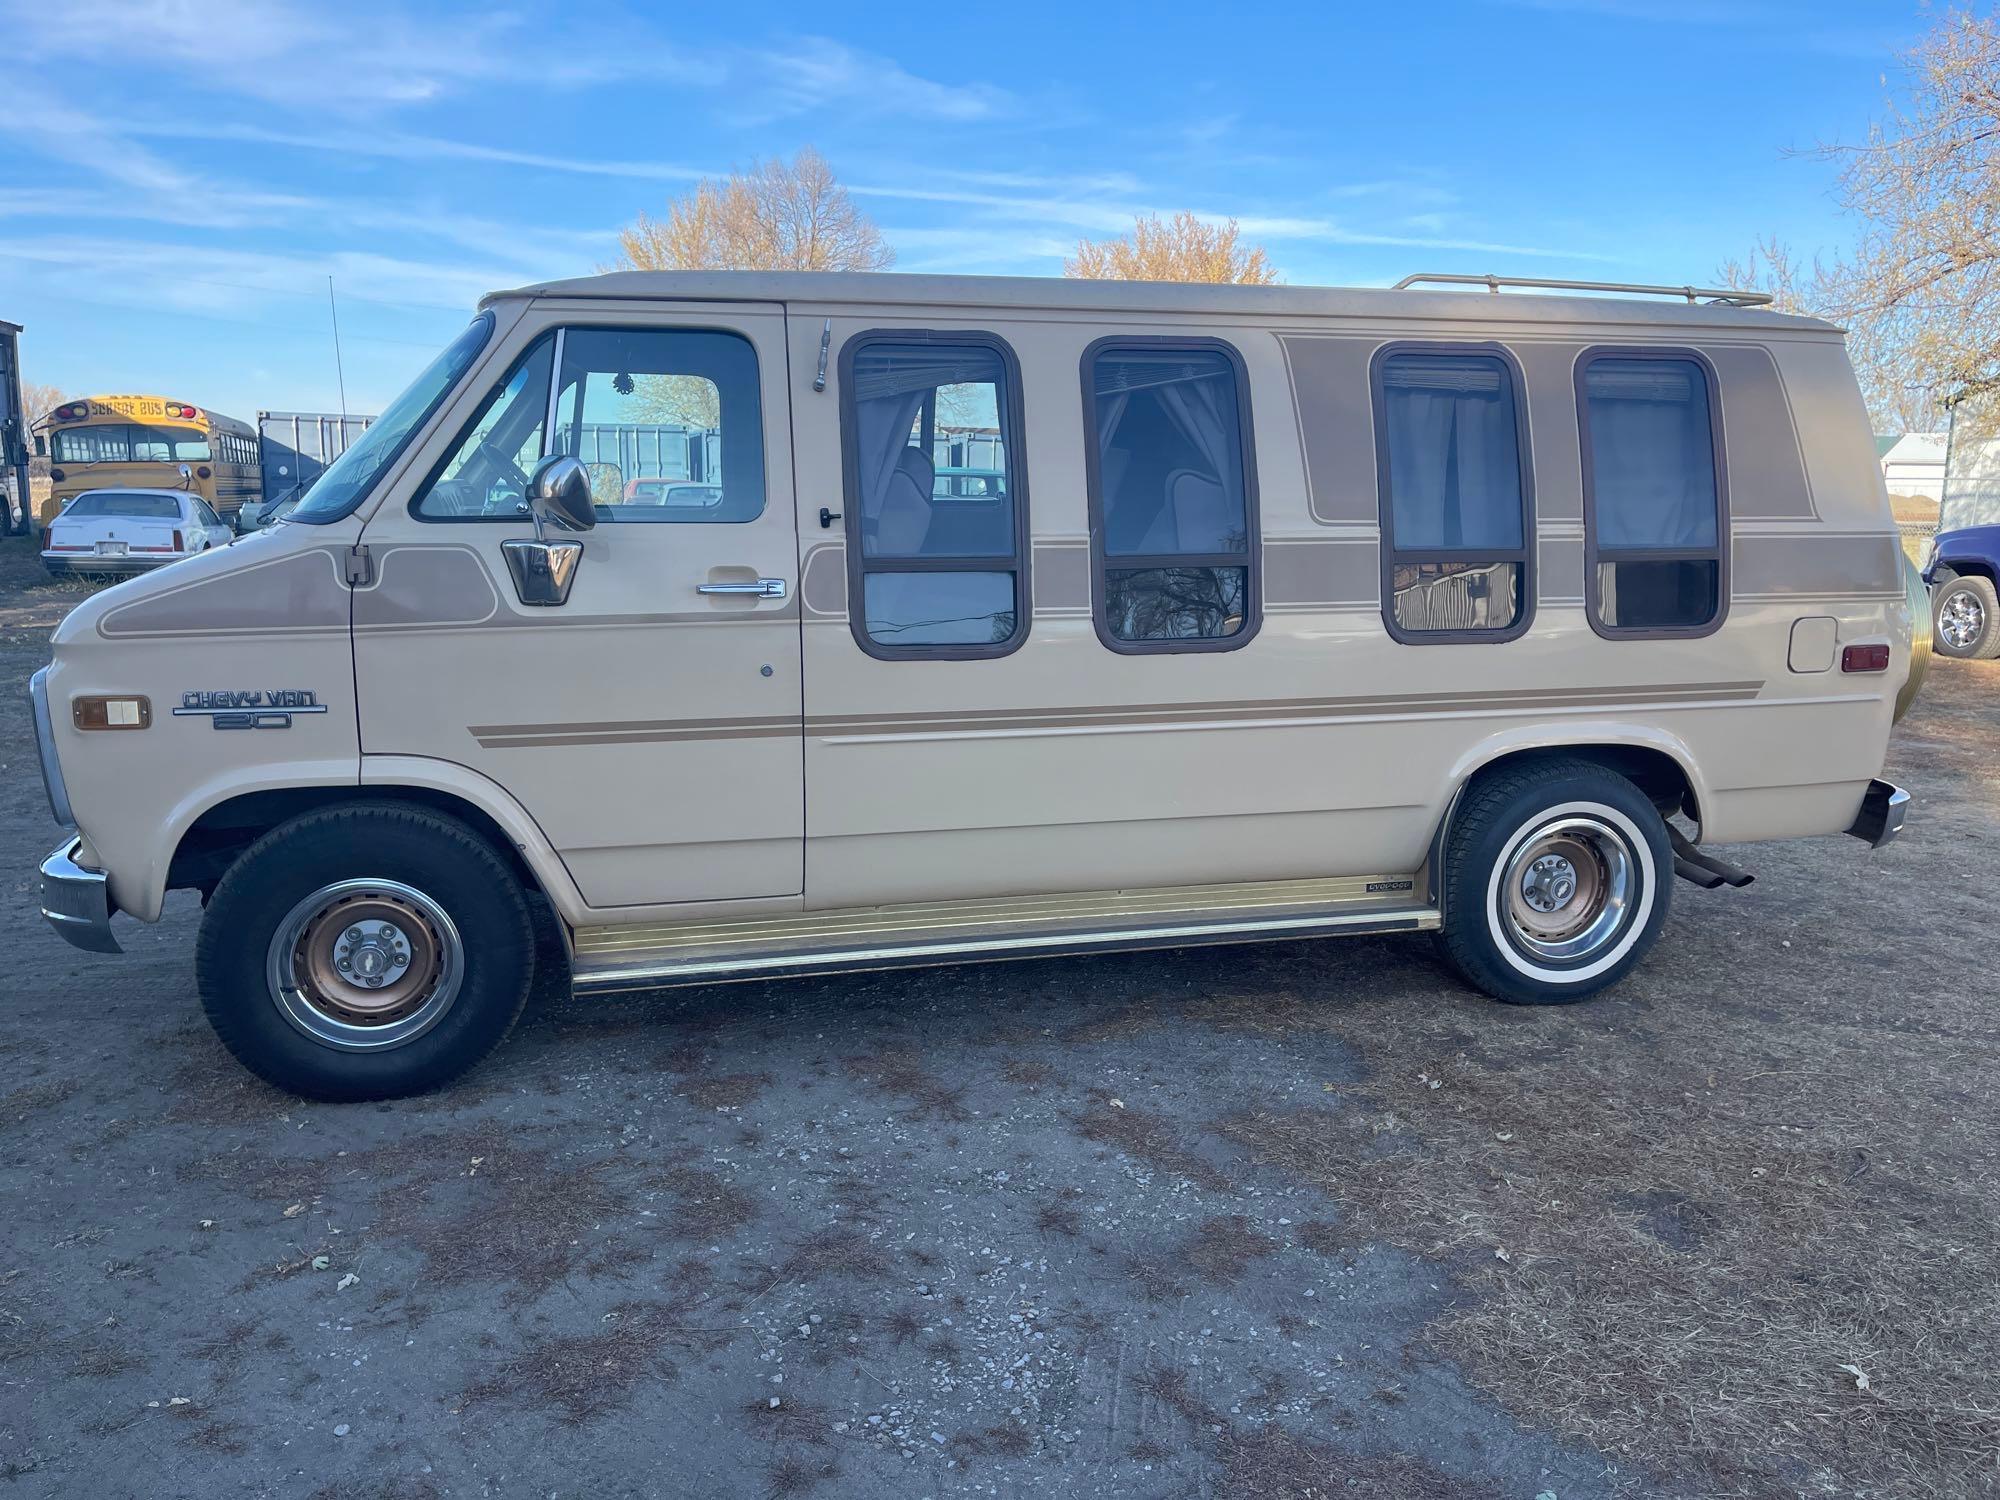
{"x":559,"y":492}
{"x":559,"y":495}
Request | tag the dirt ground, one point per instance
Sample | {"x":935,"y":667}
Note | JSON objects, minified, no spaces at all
{"x":1258,"y":1224}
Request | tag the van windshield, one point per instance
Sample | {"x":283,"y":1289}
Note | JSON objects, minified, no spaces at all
{"x":349,"y":478}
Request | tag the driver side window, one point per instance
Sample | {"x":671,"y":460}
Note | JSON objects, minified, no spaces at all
{"x":485,"y":476}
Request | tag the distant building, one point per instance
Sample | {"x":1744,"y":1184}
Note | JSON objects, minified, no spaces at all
{"x":1913,"y":464}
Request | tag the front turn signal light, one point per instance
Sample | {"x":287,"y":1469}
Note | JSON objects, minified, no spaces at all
{"x":111,"y":713}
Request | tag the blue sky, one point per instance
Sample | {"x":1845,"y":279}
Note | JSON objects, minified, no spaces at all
{"x":178,"y":178}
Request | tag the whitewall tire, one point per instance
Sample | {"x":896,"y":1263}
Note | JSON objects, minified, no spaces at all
{"x":1556,"y":880}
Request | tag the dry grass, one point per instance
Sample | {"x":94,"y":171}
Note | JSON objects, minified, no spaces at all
{"x":706,"y":1207}
{"x":1026,"y":1073}
{"x":1150,"y":1138}
{"x":733,"y":1091}
{"x":901,"y":1072}
{"x":1694,"y":1247}
{"x":1007,"y":1440}
{"x":1269,"y":1463}
{"x":1221,"y":1249}
{"x":796,"y":1474}
{"x":583,"y":1377}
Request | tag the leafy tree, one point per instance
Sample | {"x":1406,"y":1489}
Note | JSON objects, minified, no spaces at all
{"x":1183,"y":248}
{"x":776,"y":216}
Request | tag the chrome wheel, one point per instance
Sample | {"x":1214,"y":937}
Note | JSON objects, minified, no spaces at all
{"x":363,"y":965}
{"x":1961,"y":620}
{"x":1567,"y":890}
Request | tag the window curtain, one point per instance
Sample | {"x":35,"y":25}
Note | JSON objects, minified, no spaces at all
{"x":1653,"y":469}
{"x":881,"y":432}
{"x":1454,"y":460}
{"x":1198,"y":398}
{"x":1652,"y":454}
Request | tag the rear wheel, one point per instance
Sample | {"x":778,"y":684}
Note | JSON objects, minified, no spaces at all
{"x":1554,"y":882}
{"x":365,"y":952}
{"x":1965,"y":614}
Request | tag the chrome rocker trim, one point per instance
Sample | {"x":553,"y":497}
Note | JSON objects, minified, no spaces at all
{"x":1880,"y":820}
{"x":597,"y":973}
{"x":77,"y":902}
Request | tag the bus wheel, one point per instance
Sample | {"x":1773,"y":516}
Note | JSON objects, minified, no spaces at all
{"x":1556,"y":881}
{"x":365,"y":952}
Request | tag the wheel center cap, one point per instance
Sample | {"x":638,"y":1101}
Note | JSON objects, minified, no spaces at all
{"x":373,"y":954}
{"x":1549,"y":883}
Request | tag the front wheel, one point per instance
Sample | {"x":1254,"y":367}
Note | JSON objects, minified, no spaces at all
{"x":365,"y":952}
{"x":1966,"y":619}
{"x":1555,"y":881}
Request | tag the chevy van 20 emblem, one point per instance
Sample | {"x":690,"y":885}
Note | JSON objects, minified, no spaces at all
{"x":250,"y":709}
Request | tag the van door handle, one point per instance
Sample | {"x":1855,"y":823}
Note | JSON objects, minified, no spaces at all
{"x":761,"y":588}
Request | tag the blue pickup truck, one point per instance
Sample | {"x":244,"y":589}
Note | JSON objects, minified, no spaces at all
{"x":1960,"y":568}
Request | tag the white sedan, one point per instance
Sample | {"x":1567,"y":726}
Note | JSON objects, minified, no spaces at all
{"x":130,"y":531}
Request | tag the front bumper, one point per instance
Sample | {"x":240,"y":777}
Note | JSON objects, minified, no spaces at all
{"x":77,"y":902}
{"x":1880,"y":820}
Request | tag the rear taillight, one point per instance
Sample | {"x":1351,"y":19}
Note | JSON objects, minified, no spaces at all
{"x":1864,"y":658}
{"x":179,"y":545}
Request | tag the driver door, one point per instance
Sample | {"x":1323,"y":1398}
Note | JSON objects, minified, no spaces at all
{"x":650,"y":723}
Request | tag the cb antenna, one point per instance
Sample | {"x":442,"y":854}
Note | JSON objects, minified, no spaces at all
{"x":339,"y":373}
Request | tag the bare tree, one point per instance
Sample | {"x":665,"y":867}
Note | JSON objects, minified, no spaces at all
{"x":38,"y":400}
{"x":1920,"y":292}
{"x":1183,"y":248}
{"x":776,"y":216}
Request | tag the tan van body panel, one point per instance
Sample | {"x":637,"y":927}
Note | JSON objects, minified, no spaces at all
{"x":658,"y":756}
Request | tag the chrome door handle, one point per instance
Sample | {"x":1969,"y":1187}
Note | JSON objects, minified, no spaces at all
{"x":761,"y":588}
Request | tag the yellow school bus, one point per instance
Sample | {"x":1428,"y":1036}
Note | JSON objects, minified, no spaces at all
{"x":149,"y":442}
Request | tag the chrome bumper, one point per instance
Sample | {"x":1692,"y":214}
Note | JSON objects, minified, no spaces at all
{"x":77,"y":902}
{"x":1882,"y":812}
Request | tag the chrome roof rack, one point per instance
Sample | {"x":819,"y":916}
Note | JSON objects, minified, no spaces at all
{"x":1721,"y":296}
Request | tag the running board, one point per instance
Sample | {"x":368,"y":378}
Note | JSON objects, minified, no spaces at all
{"x":659,"y":955}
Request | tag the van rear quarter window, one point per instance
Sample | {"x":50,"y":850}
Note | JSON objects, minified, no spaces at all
{"x":1655,"y":493}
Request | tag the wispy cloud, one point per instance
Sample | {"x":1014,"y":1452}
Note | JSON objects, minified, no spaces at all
{"x":815,"y":73}
{"x":360,"y":56}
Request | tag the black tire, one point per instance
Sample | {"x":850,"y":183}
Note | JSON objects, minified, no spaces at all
{"x":1611,"y":827}
{"x":1968,"y":598}
{"x":437,"y":859}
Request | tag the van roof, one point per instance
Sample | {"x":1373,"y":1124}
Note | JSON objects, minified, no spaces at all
{"x":1062,"y":293}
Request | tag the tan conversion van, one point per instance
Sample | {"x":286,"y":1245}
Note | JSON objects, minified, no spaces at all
{"x":768,"y":625}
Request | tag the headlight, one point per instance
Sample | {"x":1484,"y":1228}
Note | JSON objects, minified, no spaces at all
{"x":1929,"y":555}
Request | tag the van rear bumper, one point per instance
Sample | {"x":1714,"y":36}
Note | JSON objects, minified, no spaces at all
{"x":1880,"y":820}
{"x":77,"y":901}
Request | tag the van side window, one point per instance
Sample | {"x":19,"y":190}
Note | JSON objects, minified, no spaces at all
{"x":668,"y":421}
{"x":1457,"y":497}
{"x":485,"y":476}
{"x":1654,"y":495}
{"x":936,"y":502}
{"x":1173,"y":494}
